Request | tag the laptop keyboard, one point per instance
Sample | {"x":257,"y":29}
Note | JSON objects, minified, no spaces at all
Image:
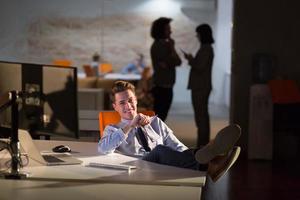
{"x":52,"y":159}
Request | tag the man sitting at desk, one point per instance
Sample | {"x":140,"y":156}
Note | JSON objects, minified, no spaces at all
{"x":152,"y":140}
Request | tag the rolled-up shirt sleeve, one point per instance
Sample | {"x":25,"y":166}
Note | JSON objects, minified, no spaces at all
{"x":112,"y":138}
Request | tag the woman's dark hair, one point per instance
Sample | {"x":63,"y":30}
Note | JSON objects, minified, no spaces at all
{"x":205,"y":32}
{"x":158,"y":27}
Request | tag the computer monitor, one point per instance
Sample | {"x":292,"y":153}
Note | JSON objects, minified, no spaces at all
{"x":48,"y":104}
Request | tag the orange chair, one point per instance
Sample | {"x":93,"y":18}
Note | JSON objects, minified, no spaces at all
{"x":105,"y":68}
{"x":64,"y":63}
{"x":112,"y":117}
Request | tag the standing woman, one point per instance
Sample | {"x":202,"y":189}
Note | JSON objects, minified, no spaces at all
{"x":164,"y":60}
{"x":200,"y":81}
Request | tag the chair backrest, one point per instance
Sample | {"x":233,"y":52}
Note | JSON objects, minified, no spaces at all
{"x":64,"y":63}
{"x":88,"y":70}
{"x":105,"y":68}
{"x":284,"y":91}
{"x":112,"y":117}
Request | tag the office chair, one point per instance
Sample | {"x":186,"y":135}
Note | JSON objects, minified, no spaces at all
{"x":105,"y":68}
{"x":112,"y":117}
{"x":63,"y":63}
{"x":88,"y":70}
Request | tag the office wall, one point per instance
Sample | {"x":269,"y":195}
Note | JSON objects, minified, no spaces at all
{"x":222,"y":62}
{"x":12,"y":39}
{"x":270,"y":27}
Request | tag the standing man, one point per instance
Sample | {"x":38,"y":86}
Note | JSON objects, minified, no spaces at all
{"x":200,"y":81}
{"x":164,"y":60}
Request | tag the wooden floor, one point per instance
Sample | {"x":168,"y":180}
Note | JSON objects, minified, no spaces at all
{"x":256,"y":180}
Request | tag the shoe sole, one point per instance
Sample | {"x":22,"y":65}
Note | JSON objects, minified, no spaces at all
{"x":224,"y":141}
{"x":233,"y":157}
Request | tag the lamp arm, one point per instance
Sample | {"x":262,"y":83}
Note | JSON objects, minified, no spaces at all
{"x":10,"y":99}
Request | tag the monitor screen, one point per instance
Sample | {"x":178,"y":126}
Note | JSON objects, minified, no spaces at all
{"x":49,"y":101}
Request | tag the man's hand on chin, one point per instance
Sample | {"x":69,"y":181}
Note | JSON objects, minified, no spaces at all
{"x":140,"y":120}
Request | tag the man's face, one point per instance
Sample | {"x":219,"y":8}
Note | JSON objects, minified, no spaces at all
{"x":126,"y":104}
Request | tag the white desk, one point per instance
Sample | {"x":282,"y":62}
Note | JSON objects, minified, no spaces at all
{"x":149,"y":180}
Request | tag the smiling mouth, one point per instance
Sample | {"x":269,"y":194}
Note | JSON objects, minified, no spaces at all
{"x":128,"y":111}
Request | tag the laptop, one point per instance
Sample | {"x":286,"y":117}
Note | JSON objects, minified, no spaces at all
{"x":50,"y":159}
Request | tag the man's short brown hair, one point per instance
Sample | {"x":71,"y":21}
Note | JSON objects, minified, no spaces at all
{"x":121,"y":86}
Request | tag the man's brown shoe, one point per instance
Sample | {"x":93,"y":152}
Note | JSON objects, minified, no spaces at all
{"x":223,"y":142}
{"x":221,"y":164}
